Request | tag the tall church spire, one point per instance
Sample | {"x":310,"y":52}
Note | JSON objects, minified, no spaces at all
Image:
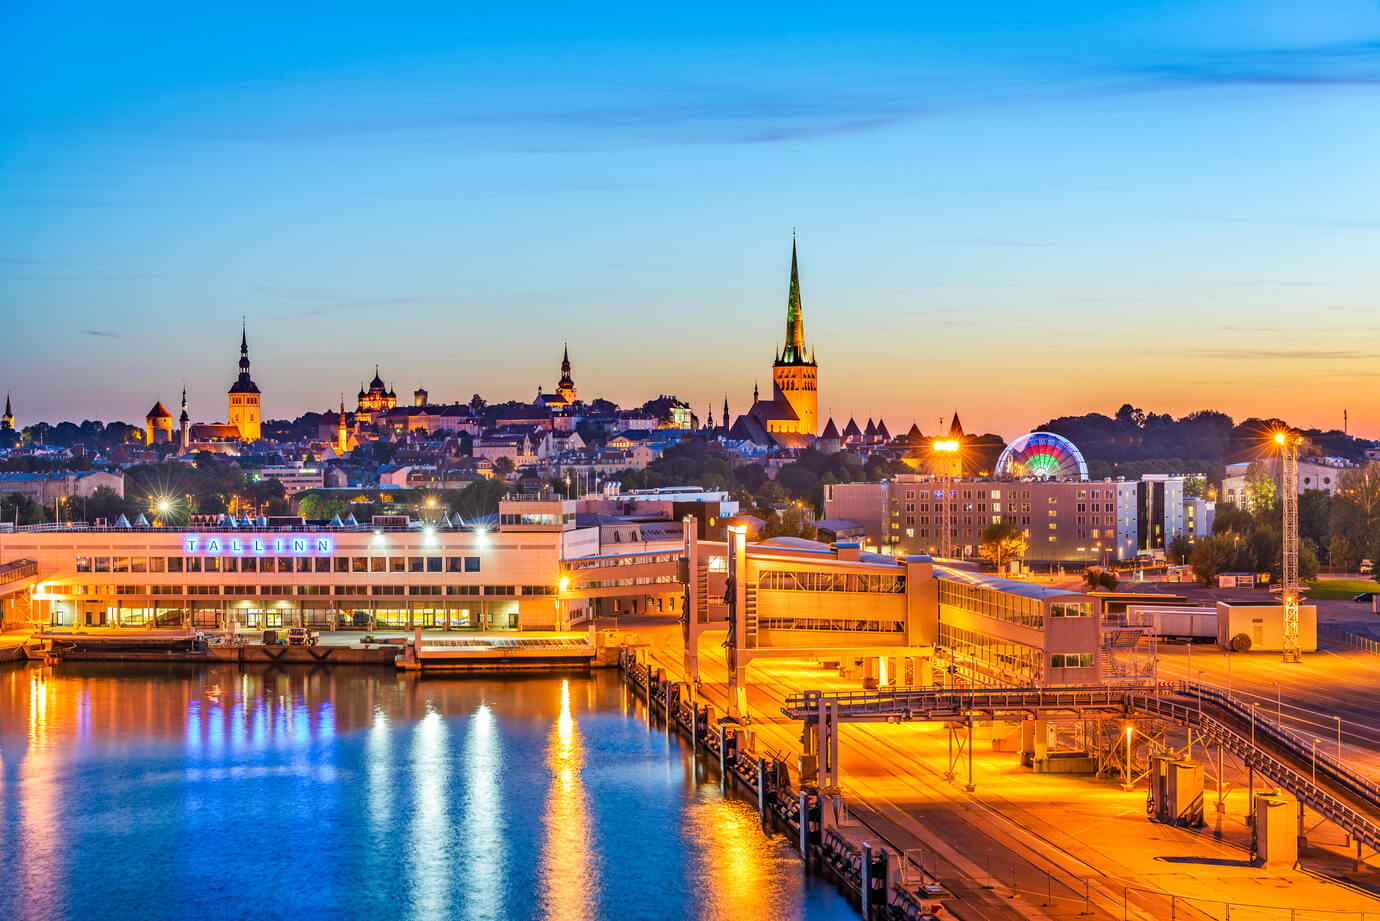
{"x":794,"y":352}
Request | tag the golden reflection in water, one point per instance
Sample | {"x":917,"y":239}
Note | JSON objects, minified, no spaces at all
{"x":737,"y":866}
{"x":38,"y":706}
{"x":485,"y":834}
{"x":430,"y":839}
{"x":568,"y":875}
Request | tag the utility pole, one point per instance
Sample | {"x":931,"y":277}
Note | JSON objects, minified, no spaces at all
{"x":1289,"y":461}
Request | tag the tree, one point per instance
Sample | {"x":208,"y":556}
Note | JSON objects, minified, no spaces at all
{"x":1342,"y":555}
{"x":1178,"y":550}
{"x":503,"y":466}
{"x":320,"y":506}
{"x":790,"y":522}
{"x":1260,"y":486}
{"x":1212,"y":555}
{"x":1001,"y":543}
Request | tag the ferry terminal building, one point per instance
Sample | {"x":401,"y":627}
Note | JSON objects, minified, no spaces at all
{"x":538,"y":570}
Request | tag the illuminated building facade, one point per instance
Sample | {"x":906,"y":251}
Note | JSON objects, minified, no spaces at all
{"x":244,"y":397}
{"x":158,"y":425}
{"x":371,"y":577}
{"x":790,"y":418}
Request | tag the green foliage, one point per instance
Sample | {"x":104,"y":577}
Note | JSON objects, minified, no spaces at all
{"x":1099,"y":579}
{"x":20,"y":509}
{"x":1178,"y":551}
{"x":1002,"y":542}
{"x":320,"y":506}
{"x":1212,"y":556}
{"x":790,"y":522}
{"x":1342,"y":554}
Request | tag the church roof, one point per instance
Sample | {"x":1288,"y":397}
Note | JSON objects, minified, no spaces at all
{"x":955,"y":427}
{"x":243,"y":385}
{"x":159,"y":411}
{"x":871,"y":431}
{"x":851,"y":430}
{"x":914,"y":436}
{"x":794,"y":351}
{"x":831,"y":432}
{"x":774,"y":411}
{"x":377,"y":382}
{"x":882,"y":433}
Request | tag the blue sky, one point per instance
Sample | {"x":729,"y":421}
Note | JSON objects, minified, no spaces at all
{"x":1014,"y":210}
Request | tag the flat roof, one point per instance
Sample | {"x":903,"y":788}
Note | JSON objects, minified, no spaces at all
{"x":1001,"y":584}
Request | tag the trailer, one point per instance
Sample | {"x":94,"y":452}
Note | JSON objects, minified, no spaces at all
{"x":1176,"y":624}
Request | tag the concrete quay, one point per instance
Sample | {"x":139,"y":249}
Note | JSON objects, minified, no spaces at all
{"x":1027,"y":845}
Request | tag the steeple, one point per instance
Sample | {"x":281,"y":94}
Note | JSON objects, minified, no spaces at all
{"x":184,"y":418}
{"x":754,"y":392}
{"x":794,"y":352}
{"x":7,"y":420}
{"x":565,"y":387}
{"x":725,"y":416}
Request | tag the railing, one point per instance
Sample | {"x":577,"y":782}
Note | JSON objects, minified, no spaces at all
{"x":910,"y":704}
{"x":1347,"y":638}
{"x":1350,"y":819}
{"x":15,"y":570}
{"x":1268,"y":730}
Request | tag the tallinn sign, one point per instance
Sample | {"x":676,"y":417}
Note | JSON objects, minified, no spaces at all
{"x":295,"y":546}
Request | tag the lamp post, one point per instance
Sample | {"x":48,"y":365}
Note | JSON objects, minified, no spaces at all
{"x":949,"y":449}
{"x":1127,"y":784}
{"x":1339,"y":738}
{"x":1315,"y":761}
{"x":1279,"y":706}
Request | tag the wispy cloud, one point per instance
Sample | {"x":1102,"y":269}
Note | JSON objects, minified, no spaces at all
{"x":102,"y":333}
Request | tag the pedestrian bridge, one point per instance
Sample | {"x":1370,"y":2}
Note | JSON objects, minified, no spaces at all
{"x":1319,"y":781}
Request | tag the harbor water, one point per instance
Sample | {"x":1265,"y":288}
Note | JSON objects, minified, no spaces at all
{"x":151,"y":793}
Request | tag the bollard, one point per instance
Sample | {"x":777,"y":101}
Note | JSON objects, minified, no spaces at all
{"x":762,"y":788}
{"x":866,"y":867}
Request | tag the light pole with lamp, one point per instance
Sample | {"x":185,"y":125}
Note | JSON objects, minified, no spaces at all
{"x":1339,"y":738}
{"x":1315,"y":761}
{"x":949,"y":449}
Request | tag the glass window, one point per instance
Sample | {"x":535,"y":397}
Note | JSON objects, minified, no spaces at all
{"x":323,"y":564}
{"x":102,"y":564}
{"x":304,"y":564}
{"x":230,"y":564}
{"x":174,"y":564}
{"x":359,"y":564}
{"x":83,"y":564}
{"x":158,"y":564}
{"x":378,"y":564}
{"x":341,"y":564}
{"x":285,"y":564}
{"x":120,"y":564}
{"x":192,"y":563}
{"x":249,"y":564}
{"x":139,"y":564}
{"x":397,"y":564}
{"x":433,"y":564}
{"x":471,"y":564}
{"x":415,"y":564}
{"x":212,"y":564}
{"x":454,"y":564}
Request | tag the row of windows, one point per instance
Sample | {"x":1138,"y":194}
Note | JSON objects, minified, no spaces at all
{"x":338,"y":590}
{"x":831,"y":624}
{"x":1071,"y":660}
{"x":988,"y":602}
{"x":996,"y":660}
{"x":278,"y":564}
{"x":787,"y":581}
{"x":536,"y":519}
{"x":1070,"y":609}
{"x":1010,"y":494}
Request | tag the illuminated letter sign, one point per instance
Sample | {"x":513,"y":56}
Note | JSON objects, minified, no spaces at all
{"x":258,"y":546}
{"x":277,"y":545}
{"x":212,"y":545}
{"x":299,"y":545}
{"x":190,"y":544}
{"x":235,"y":545}
{"x":215,"y":546}
{"x":323,"y":545}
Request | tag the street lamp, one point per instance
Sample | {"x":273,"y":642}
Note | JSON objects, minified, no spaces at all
{"x":1127,"y":784}
{"x":1339,"y":738}
{"x":1315,"y":761}
{"x":949,"y":448}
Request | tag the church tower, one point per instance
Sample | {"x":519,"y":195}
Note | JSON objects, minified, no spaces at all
{"x":794,"y":375}
{"x":244,"y":396}
{"x":342,"y":437}
{"x":183,"y":426}
{"x":7,"y":420}
{"x":565,"y":387}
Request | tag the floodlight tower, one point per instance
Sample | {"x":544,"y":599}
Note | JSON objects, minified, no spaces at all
{"x":1289,"y":461}
{"x":948,"y":451}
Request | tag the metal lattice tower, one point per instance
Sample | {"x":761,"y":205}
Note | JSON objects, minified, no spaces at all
{"x":1289,"y":460}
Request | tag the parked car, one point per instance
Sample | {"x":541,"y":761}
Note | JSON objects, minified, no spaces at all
{"x":1363,"y":596}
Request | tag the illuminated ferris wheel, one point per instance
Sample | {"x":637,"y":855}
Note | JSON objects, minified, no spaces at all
{"x":1043,"y":455}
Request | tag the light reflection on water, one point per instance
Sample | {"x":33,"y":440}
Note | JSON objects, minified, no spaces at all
{"x":157,"y":794}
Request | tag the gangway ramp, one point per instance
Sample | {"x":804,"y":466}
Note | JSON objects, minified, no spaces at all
{"x":1320,"y":782}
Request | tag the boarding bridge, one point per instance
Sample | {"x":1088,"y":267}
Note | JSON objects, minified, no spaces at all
{"x":1319,"y":781}
{"x":16,"y":578}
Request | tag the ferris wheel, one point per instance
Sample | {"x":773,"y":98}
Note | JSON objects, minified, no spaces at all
{"x":1043,"y":455}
